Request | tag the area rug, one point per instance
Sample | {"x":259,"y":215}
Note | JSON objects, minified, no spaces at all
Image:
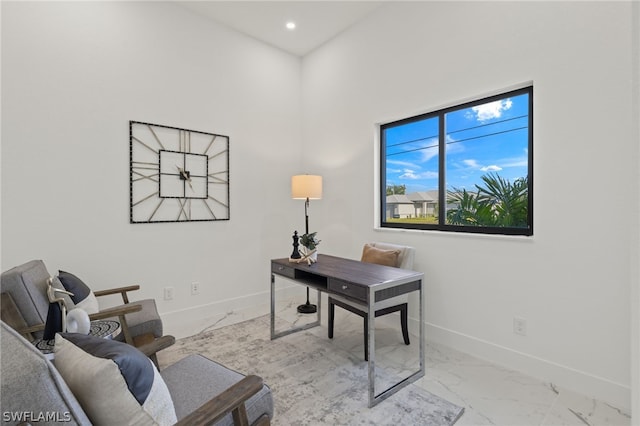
{"x":313,"y":382}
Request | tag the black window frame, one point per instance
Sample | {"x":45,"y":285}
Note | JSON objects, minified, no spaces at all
{"x":442,"y":190}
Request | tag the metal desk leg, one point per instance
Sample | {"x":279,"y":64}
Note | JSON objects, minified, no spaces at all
{"x":274,"y":333}
{"x":273,"y":306}
{"x":371,"y":336}
{"x":386,"y":393}
{"x":422,"y":336}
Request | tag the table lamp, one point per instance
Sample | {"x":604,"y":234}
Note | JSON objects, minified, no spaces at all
{"x":306,"y":187}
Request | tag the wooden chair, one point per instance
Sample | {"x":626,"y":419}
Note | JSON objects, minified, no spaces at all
{"x":203,"y":392}
{"x":25,"y":306}
{"x":384,"y":254}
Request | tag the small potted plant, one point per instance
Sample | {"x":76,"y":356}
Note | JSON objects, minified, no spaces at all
{"x":309,"y":244}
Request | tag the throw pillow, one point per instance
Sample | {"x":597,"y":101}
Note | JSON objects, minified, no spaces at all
{"x":114,"y":382}
{"x":83,"y":297}
{"x":371,"y":254}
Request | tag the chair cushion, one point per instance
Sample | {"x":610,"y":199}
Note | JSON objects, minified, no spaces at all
{"x":27,"y":285}
{"x":372,"y":254}
{"x":406,"y":256}
{"x":114,"y":382}
{"x":195,"y":379}
{"x":83,"y":297}
{"x":144,"y":321}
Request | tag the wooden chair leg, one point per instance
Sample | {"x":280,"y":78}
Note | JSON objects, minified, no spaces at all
{"x":404,"y":320}
{"x":240,"y":416}
{"x":154,"y":359}
{"x":332,"y":314}
{"x":404,"y":323}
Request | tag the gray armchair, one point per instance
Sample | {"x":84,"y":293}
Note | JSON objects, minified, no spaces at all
{"x":202,"y":391}
{"x":25,"y":306}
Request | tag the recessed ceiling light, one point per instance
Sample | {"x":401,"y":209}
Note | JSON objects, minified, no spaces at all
{"x":291,"y":25}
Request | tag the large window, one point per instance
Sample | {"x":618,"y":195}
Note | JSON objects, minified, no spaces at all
{"x":466,"y":168}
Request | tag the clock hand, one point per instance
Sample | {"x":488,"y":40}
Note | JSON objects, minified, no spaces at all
{"x":183,"y":173}
{"x":185,"y":176}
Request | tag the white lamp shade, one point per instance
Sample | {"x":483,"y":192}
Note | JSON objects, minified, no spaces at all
{"x":306,"y":186}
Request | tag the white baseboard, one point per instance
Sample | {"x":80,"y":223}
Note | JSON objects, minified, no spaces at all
{"x":187,"y":322}
{"x":616,"y":394}
{"x":190,"y":321}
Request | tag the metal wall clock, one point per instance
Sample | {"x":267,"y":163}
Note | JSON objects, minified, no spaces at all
{"x":177,"y":175}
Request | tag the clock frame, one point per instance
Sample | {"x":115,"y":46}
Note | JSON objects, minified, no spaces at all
{"x":177,"y":175}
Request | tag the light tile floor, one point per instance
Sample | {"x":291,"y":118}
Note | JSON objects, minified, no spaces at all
{"x":493,"y":395}
{"x":490,"y":394}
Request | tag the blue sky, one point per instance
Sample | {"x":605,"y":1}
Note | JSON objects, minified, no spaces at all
{"x":487,"y":138}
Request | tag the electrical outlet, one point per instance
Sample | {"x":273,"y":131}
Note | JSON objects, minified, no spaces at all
{"x":520,"y":326}
{"x":195,"y":288}
{"x":168,"y":293}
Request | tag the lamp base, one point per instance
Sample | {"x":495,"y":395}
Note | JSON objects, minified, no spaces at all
{"x":307,"y":308}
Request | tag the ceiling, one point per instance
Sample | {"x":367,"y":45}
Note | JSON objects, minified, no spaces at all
{"x":316,"y":21}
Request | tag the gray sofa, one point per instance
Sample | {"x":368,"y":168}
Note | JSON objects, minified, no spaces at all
{"x":201,"y":389}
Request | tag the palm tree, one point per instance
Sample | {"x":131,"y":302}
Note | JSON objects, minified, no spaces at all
{"x":498,"y":203}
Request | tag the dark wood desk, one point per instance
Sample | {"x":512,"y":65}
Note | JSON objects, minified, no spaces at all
{"x":364,"y":283}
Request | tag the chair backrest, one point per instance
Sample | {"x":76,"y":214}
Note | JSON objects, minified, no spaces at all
{"x":406,"y":256}
{"x":31,"y":385}
{"x":27,"y":285}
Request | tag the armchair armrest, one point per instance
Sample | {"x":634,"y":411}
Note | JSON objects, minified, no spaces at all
{"x":122,"y":290}
{"x":115,"y":312}
{"x":32,"y":329}
{"x":231,"y":401}
{"x":120,"y":313}
{"x":150,"y":345}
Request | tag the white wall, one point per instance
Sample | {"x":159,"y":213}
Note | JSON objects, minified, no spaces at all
{"x":571,"y":281}
{"x":635,"y":244}
{"x":73,"y":75}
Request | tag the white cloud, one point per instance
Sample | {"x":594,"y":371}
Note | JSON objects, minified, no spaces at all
{"x":514,"y":162}
{"x":429,"y":153}
{"x":405,"y":164}
{"x":453,"y":146}
{"x":473,"y":164}
{"x":412,"y":175}
{"x":517,"y":163}
{"x":409,"y":174}
{"x":492,"y":109}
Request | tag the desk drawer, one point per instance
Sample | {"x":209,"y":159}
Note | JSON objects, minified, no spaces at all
{"x":286,"y":271}
{"x":347,"y":289}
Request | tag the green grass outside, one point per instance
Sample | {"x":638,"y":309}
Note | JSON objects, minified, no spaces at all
{"x":422,"y":220}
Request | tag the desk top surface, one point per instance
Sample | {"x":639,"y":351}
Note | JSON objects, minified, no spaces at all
{"x":354,"y":271}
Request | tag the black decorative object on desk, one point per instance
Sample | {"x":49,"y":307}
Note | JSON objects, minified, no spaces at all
{"x":296,"y":253}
